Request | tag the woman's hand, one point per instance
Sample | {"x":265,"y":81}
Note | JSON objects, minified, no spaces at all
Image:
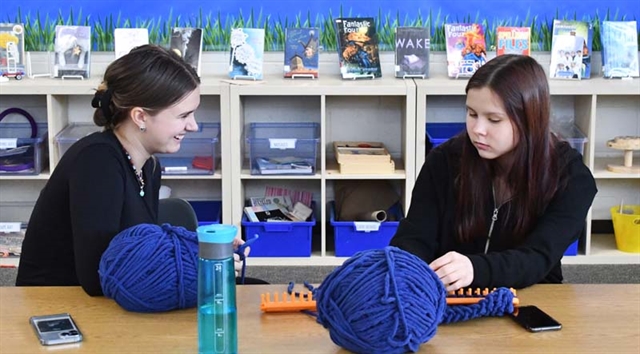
{"x":237,"y":262}
{"x":454,"y":270}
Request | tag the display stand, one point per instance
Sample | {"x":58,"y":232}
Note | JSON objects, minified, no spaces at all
{"x":463,"y":76}
{"x":303,"y":76}
{"x":370,"y":76}
{"x":244,"y":77}
{"x":30,"y":73}
{"x":405,"y":76}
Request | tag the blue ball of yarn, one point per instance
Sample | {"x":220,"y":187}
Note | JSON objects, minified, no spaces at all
{"x":151,"y":268}
{"x":381,"y":301}
{"x":390,"y":301}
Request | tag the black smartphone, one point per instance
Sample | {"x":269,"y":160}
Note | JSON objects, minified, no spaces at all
{"x":535,"y":320}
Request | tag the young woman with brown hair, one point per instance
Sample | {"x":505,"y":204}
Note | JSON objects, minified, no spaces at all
{"x":499,"y":204}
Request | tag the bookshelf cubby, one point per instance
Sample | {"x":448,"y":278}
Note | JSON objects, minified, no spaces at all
{"x":368,"y":110}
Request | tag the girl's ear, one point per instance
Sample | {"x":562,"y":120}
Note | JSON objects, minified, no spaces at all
{"x":139,"y":117}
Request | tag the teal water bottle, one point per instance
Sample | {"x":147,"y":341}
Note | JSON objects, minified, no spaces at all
{"x":217,"y":317}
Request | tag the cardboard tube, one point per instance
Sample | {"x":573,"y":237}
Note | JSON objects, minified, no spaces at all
{"x":376,"y":215}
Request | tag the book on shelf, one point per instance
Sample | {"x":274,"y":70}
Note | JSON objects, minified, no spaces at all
{"x":300,"y":212}
{"x":301,"y":52}
{"x":581,"y":29}
{"x":297,"y":195}
{"x":412,"y":51}
{"x":12,"y":58}
{"x":513,"y":40}
{"x":247,"y":53}
{"x":187,"y":43}
{"x":358,"y":54}
{"x":361,"y":151}
{"x":566,"y":57}
{"x":619,"y":49}
{"x":281,"y":201}
{"x":273,"y":212}
{"x":125,"y":39}
{"x":465,"y":47}
{"x":283,"y":165}
{"x":261,"y":213}
{"x":72,"y":46}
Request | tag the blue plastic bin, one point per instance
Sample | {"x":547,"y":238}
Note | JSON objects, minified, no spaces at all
{"x":438,"y":133}
{"x":572,"y":250}
{"x":208,"y":211}
{"x":280,"y":238}
{"x":354,"y":236}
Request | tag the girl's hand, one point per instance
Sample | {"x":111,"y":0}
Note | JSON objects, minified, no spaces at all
{"x":237,"y":263}
{"x":454,"y":270}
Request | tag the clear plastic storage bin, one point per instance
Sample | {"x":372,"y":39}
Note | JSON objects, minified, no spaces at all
{"x":197,"y":154}
{"x":72,"y":133}
{"x":23,"y":150}
{"x":573,"y":136}
{"x":283,"y":148}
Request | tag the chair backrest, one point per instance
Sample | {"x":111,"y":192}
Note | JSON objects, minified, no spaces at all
{"x":177,"y":212}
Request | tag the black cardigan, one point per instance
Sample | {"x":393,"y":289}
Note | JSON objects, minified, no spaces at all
{"x":428,"y":231}
{"x":91,"y":196}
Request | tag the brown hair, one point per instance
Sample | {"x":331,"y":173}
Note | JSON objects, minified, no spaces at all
{"x":521,"y":84}
{"x":150,"y":77}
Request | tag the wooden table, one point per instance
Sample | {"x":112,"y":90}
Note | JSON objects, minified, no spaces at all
{"x":595,"y":319}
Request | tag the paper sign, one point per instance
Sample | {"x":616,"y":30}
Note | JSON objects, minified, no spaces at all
{"x":282,"y":144}
{"x":366,"y":226}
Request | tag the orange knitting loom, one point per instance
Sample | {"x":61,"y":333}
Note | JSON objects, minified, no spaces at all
{"x":468,"y":296}
{"x":289,"y":303}
{"x":284,"y":302}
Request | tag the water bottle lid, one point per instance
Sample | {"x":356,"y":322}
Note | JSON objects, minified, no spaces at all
{"x":216,"y":233}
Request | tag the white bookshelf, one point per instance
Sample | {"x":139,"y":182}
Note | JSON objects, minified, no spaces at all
{"x":386,"y":109}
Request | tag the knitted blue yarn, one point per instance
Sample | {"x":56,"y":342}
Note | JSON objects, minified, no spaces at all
{"x":390,"y":301}
{"x":151,"y":268}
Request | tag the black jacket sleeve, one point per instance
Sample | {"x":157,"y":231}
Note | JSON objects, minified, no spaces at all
{"x":96,"y":192}
{"x":418,"y":232}
{"x":559,"y":226}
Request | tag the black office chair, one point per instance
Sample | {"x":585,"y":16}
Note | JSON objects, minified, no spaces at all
{"x":177,"y":212}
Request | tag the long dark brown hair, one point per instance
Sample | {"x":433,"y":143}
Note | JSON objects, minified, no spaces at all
{"x":521,"y":83}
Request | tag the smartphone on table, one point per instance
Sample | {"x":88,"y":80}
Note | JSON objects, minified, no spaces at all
{"x":56,"y":329}
{"x":535,"y":320}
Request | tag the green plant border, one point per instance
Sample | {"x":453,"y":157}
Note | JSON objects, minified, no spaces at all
{"x":40,"y":33}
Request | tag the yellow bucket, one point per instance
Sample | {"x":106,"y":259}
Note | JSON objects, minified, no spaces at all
{"x":626,"y":227}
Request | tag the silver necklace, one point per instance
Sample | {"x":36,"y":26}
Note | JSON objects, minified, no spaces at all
{"x":137,"y":172}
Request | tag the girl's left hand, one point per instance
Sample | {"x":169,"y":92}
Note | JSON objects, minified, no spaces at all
{"x":237,"y":263}
{"x":454,"y":270}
